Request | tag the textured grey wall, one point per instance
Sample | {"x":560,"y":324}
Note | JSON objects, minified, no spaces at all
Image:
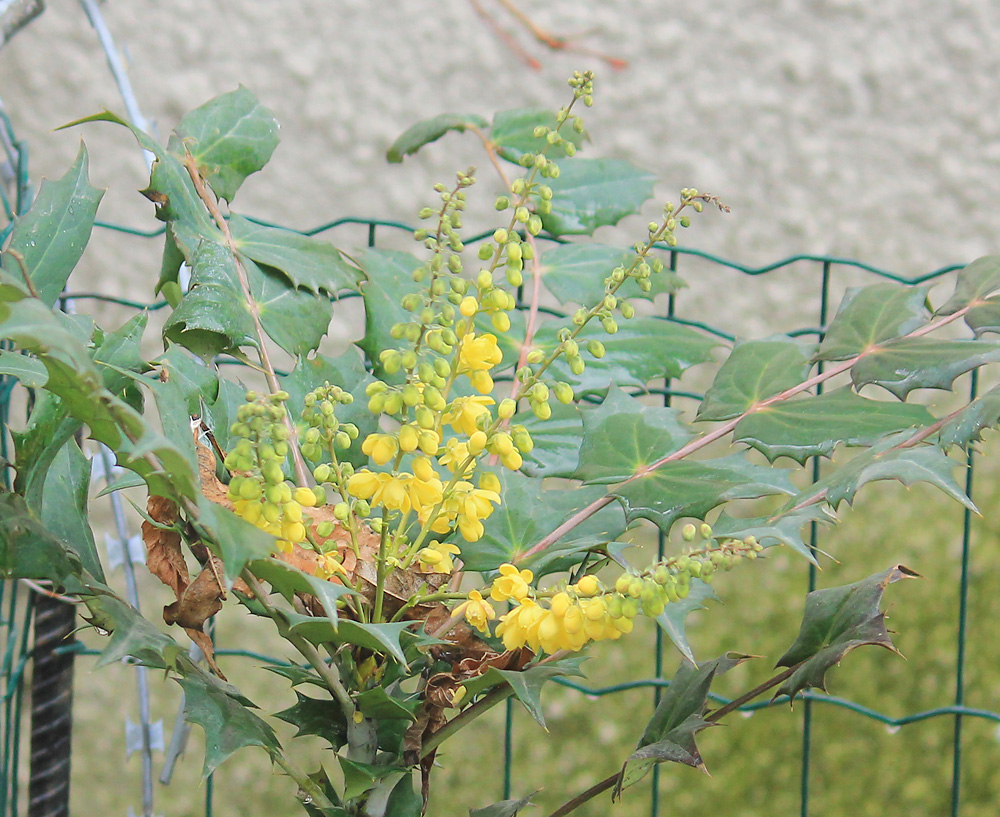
{"x":866,"y":129}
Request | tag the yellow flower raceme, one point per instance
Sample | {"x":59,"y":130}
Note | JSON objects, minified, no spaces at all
{"x":519,"y":627}
{"x":380,"y":447}
{"x":476,"y":356}
{"x":477,"y":611}
{"x":437,"y":557}
{"x":511,"y":584}
{"x":454,"y":455}
{"x":463,"y":412}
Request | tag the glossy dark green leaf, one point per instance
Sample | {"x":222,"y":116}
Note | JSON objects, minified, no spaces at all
{"x":836,"y":621}
{"x":230,"y":137}
{"x":235,"y":540}
{"x":527,"y":683}
{"x":967,"y":427}
{"x":213,"y":317}
{"x":815,"y":426}
{"x":884,"y":460}
{"x":753,"y":372}
{"x":528,"y":514}
{"x":295,"y":319}
{"x":622,"y":436}
{"x":362,"y":777}
{"x":378,"y":704}
{"x":869,"y":316}
{"x":673,"y":619}
{"x":132,"y":636}
{"x":430,"y":130}
{"x":121,"y":349}
{"x":346,"y":371}
{"x":229,"y":725}
{"x":288,"y":581}
{"x":29,"y":371}
{"x":688,"y":488}
{"x":557,"y":441}
{"x":404,"y":799}
{"x":322,"y":717}
{"x":28,"y":549}
{"x":900,"y":366}
{"x":307,"y":262}
{"x":222,"y":411}
{"x":381,"y":638}
{"x":52,"y":235}
{"x":679,"y":716}
{"x":175,"y":421}
{"x":197,"y":381}
{"x":48,"y":429}
{"x":592,"y":193}
{"x":513,"y":133}
{"x":575,"y":273}
{"x":974,"y":283}
{"x":389,"y":275}
{"x":65,"y":502}
{"x":781,"y":528}
{"x":505,"y":808}
{"x":984,"y":318}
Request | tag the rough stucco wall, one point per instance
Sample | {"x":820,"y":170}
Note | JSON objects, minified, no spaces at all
{"x":869,"y":130}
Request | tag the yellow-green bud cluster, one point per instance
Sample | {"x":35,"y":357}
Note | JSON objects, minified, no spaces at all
{"x":323,"y":432}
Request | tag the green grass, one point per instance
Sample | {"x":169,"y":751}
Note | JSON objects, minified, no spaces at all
{"x":858,"y":767}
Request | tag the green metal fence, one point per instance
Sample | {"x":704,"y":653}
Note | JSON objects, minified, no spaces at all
{"x":147,"y":736}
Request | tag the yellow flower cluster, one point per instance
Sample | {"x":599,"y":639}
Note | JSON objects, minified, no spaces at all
{"x":476,"y":356}
{"x":282,"y":518}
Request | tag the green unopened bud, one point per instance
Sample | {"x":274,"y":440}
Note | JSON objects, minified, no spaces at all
{"x":596,"y":348}
{"x":506,"y":408}
{"x":688,"y":532}
{"x":500,"y":235}
{"x":534,"y":225}
{"x":627,"y":310}
{"x":577,"y":366}
{"x":705,"y":530}
{"x":563,"y":392}
{"x":485,"y":252}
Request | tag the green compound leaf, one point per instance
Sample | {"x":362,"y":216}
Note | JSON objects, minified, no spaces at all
{"x":28,"y":549}
{"x":52,"y":235}
{"x":973,"y":283}
{"x":869,"y":316}
{"x":527,"y":683}
{"x":755,"y":371}
{"x":362,"y":777}
{"x":673,"y":619}
{"x":230,"y":137}
{"x":693,"y":488}
{"x":121,"y":350}
{"x":815,"y":426}
{"x":229,"y":725}
{"x":405,"y":799}
{"x":378,"y":704}
{"x":782,"y":528}
{"x":213,"y":316}
{"x":900,"y":366}
{"x":322,"y":717}
{"x":592,"y":193}
{"x":389,"y":276}
{"x":679,"y":716}
{"x":967,"y":427}
{"x":381,"y":638}
{"x":430,"y":130}
{"x":26,"y":369}
{"x":65,"y":501}
{"x":196,"y":381}
{"x":295,"y":319}
{"x":909,"y":465}
{"x":836,"y":621}
{"x":513,"y":133}
{"x":234,"y":540}
{"x":528,"y":514}
{"x":505,"y":808}
{"x":307,"y":262}
{"x":621,"y":436}
{"x":557,"y":441}
{"x":985,"y":317}
{"x":346,"y":371}
{"x":288,"y":581}
{"x":575,"y":273}
{"x":132,"y":636}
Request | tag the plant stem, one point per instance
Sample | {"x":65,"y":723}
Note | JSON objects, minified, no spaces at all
{"x":465,"y":717}
{"x":380,"y":569}
{"x":310,"y":788}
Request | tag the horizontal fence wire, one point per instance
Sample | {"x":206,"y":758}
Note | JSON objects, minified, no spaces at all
{"x":826,"y":267}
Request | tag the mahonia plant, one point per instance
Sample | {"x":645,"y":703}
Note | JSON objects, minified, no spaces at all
{"x":446,"y":521}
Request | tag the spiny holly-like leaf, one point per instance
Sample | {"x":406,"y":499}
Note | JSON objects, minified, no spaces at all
{"x":529,"y":513}
{"x":212,"y":317}
{"x":346,"y":371}
{"x":230,"y":137}
{"x":900,"y":366}
{"x":30,"y":372}
{"x":197,"y":382}
{"x":378,"y":704}
{"x":322,"y":717}
{"x":527,"y":683}
{"x":121,"y":349}
{"x":505,"y":808}
{"x":984,"y":318}
{"x":52,"y":235}
{"x":575,"y":273}
{"x":307,"y":262}
{"x":557,"y":442}
{"x":288,"y":581}
{"x":592,"y":193}
{"x":925,"y":463}
{"x":513,"y":133}
{"x":295,"y":319}
{"x":234,"y":539}
{"x":229,"y":725}
{"x":28,"y":549}
{"x":389,"y":276}
{"x":973,"y":283}
{"x":381,"y":638}
{"x":688,"y":488}
{"x":967,"y":427}
{"x":430,"y":130}
{"x":405,"y":799}
{"x":132,"y":636}
{"x":622,"y":435}
{"x":65,"y":501}
{"x":362,"y":777}
{"x":673,"y":619}
{"x":836,"y":621}
{"x":679,"y":716}
{"x":869,"y":316}
{"x":782,"y":528}
{"x":815,"y":426}
{"x":755,"y":371}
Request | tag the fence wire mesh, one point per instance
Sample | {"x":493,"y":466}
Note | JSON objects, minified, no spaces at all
{"x":147,"y":737}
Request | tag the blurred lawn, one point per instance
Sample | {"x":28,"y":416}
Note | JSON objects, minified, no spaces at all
{"x":858,"y":766}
